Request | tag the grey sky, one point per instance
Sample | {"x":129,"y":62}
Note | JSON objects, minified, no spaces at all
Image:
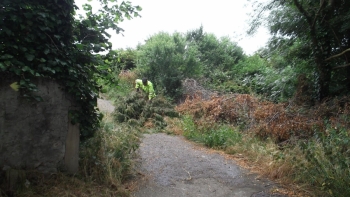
{"x":220,"y":17}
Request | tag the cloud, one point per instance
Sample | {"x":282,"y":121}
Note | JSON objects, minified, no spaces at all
{"x":220,"y":17}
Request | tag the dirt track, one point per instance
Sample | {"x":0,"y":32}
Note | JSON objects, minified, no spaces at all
{"x":172,"y":166}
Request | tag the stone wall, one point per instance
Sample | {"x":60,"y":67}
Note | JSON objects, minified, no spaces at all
{"x":37,"y":135}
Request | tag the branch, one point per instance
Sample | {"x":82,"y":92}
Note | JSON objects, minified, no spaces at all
{"x":318,"y":12}
{"x":303,"y":11}
{"x":340,"y":54}
{"x":342,"y":66}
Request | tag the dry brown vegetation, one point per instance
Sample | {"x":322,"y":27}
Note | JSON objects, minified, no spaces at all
{"x":267,"y":119}
{"x":281,"y":125}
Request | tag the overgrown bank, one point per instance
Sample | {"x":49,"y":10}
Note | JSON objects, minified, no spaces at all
{"x":305,"y":147}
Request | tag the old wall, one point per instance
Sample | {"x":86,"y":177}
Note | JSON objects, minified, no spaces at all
{"x":33,"y":135}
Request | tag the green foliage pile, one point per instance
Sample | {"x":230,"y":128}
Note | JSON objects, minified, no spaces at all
{"x":135,"y":110}
{"x":43,"y":39}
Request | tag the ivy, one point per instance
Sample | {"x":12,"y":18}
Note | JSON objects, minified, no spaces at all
{"x":43,"y":39}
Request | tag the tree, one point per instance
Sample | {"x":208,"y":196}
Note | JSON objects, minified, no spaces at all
{"x":42,"y":38}
{"x":217,"y":56}
{"x":321,"y":25}
{"x":166,"y":60}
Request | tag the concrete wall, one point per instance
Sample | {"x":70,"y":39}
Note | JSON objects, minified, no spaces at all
{"x":37,"y":135}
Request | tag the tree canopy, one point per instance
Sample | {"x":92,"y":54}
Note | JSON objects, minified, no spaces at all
{"x":322,"y":30}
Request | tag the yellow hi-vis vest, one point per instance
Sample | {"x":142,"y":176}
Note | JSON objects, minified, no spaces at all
{"x":148,"y":89}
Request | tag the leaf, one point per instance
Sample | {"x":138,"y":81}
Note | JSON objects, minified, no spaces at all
{"x":46,"y":51}
{"x":14,"y":86}
{"x":6,"y":56}
{"x":23,"y":48}
{"x":80,"y":46}
{"x":2,"y":66}
{"x":29,"y":57}
{"x":138,"y":8}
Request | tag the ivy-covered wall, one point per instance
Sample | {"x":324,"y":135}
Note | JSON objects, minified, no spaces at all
{"x":33,"y":134}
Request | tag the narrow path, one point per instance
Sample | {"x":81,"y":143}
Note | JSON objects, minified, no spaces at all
{"x":173,"y":167}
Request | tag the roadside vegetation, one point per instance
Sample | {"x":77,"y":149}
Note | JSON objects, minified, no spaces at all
{"x":283,"y":112}
{"x":105,"y":167}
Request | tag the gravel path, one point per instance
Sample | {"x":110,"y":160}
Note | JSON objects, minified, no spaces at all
{"x":173,"y":167}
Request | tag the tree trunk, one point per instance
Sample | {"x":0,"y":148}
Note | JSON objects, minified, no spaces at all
{"x":320,"y":47}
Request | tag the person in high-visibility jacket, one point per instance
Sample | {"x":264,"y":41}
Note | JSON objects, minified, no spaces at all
{"x":146,"y":86}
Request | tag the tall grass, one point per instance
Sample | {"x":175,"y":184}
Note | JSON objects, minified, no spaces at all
{"x":328,"y":161}
{"x":107,"y":157}
{"x":213,"y":136}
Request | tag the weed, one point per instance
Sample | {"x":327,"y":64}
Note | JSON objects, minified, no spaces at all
{"x":221,"y":137}
{"x":328,"y":158}
{"x":107,"y":156}
{"x":211,"y":135}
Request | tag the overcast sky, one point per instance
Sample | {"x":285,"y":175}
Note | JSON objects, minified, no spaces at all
{"x":220,"y":17}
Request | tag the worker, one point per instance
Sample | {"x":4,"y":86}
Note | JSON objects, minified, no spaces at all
{"x":146,"y":86}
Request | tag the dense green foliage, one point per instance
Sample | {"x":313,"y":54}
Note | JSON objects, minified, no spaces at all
{"x":217,"y":56}
{"x":314,"y":35}
{"x":166,"y":59}
{"x":42,"y":39}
